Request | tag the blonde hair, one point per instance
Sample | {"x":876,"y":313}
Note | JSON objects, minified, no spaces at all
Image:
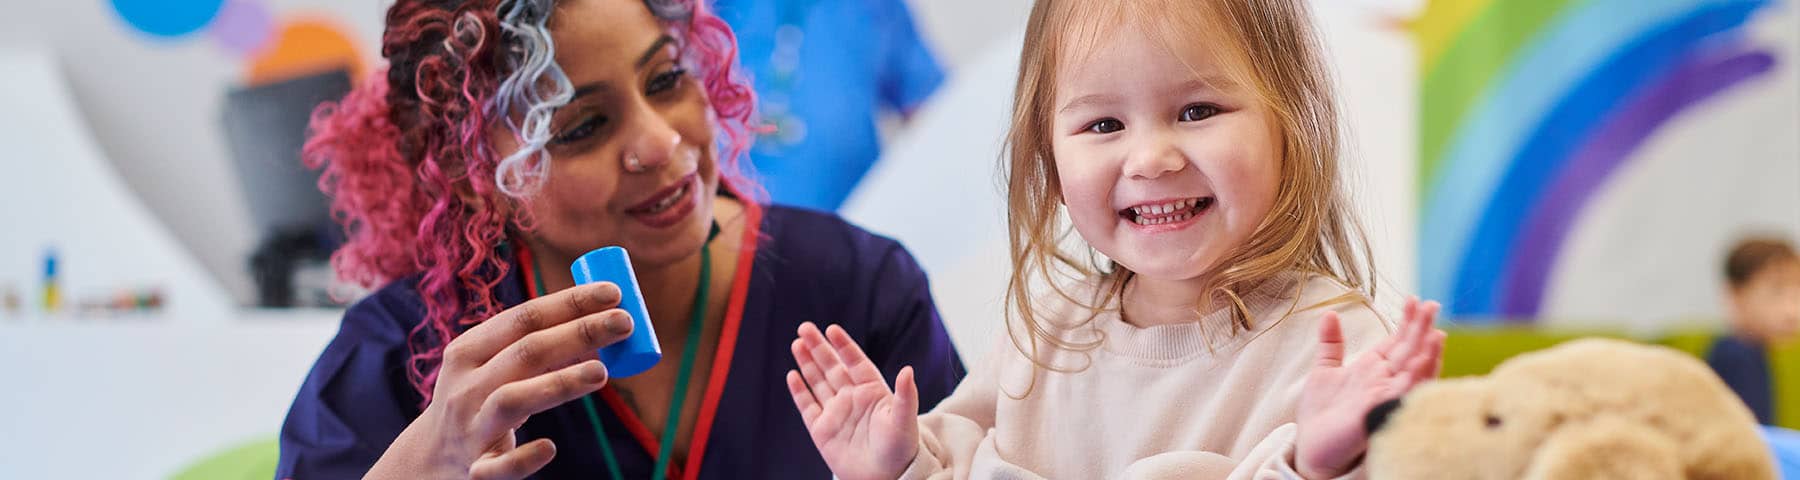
{"x":1310,"y":229}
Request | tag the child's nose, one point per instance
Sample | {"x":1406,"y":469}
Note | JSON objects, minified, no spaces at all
{"x":1158,"y":157}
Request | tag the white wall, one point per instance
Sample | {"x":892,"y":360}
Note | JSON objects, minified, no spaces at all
{"x":155,"y":108}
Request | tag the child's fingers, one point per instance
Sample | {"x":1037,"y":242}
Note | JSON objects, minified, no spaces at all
{"x":832,"y":366}
{"x":811,"y":372}
{"x":1432,"y":362}
{"x":1412,"y":337}
{"x":833,"y":415}
{"x":861,"y":370}
{"x":811,"y":334}
{"x":1430,"y":311}
{"x":803,"y":398}
{"x":1423,"y":319}
{"x":1419,"y":365}
{"x":1386,"y":347}
{"x":907,"y":392}
{"x":1412,"y":308}
{"x":1417,"y":321}
{"x":1331,"y":341}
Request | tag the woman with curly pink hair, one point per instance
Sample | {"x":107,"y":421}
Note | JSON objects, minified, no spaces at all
{"x":506,"y":138}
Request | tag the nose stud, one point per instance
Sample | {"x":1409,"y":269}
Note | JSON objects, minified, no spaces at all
{"x":632,"y":163}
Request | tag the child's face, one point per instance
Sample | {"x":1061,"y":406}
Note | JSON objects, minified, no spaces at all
{"x":1768,"y":305}
{"x":1164,"y":164}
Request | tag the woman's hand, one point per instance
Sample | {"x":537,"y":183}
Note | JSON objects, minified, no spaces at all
{"x":522,"y":361}
{"x":1338,"y":396}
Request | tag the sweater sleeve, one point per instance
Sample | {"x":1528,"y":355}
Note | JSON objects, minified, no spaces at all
{"x":1274,"y":457}
{"x":950,"y":434}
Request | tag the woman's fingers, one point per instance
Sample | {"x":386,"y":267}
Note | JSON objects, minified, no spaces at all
{"x":486,"y":339}
{"x":516,"y":463}
{"x":512,"y":403}
{"x":556,"y":347}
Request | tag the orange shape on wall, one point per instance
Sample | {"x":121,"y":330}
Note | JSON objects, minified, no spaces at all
{"x":305,"y":46}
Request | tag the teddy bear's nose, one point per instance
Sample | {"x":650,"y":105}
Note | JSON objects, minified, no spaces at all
{"x":1379,"y":415}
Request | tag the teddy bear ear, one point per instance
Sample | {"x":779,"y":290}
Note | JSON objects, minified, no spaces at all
{"x":1378,"y":416}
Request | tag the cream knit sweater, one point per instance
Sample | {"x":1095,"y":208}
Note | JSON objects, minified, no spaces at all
{"x":1169,"y":401}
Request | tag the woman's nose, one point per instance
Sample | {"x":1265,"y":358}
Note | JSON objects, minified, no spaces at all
{"x":654,"y":145}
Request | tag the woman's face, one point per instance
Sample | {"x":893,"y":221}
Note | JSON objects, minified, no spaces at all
{"x":633,"y":161}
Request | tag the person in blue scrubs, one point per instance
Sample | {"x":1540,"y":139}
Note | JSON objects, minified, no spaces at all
{"x":475,"y":357}
{"x":824,"y":72}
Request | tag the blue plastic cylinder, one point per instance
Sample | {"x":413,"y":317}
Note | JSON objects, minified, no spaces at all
{"x":640,"y":351}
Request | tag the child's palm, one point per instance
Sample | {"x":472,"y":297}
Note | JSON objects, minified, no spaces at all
{"x":863,"y":430}
{"x":1338,"y":396}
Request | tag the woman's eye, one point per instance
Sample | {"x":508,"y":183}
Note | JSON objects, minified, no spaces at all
{"x":1198,"y":112}
{"x":582,"y":130}
{"x":1105,"y":126}
{"x":665,"y":81}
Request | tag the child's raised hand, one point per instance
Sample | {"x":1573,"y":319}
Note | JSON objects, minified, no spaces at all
{"x":863,"y":430}
{"x":1338,"y":396}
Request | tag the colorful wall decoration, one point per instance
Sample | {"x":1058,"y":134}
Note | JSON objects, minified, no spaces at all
{"x":1530,"y":106}
{"x":272,"y":48}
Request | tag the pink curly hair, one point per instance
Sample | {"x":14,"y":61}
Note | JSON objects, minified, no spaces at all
{"x":412,"y":179}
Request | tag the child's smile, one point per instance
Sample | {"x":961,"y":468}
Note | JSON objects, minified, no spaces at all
{"x":1167,"y":215}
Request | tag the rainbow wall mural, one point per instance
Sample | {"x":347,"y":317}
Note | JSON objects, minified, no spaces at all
{"x":1528,"y":106}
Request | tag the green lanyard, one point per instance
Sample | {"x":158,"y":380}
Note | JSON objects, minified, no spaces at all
{"x":682,"y":378}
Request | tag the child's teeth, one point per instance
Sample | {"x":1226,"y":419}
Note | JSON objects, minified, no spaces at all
{"x":1161,"y":213}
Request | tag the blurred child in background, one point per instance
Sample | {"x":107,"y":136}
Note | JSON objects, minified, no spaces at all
{"x":1763,"y":296}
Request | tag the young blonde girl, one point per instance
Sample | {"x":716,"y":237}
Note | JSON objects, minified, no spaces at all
{"x":1194,"y":145}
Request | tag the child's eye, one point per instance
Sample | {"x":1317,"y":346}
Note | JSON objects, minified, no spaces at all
{"x":583,"y":129}
{"x":665,"y":81}
{"x":1105,"y":125}
{"x":1198,"y":112}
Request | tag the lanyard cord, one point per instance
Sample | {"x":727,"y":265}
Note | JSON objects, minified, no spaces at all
{"x":682,"y":378}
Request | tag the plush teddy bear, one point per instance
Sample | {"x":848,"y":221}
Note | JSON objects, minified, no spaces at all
{"x":1587,"y":409}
